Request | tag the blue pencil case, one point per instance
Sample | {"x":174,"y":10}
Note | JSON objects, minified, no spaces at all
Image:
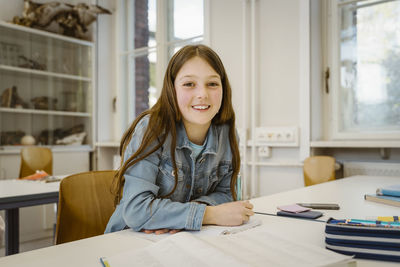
{"x":363,"y":239}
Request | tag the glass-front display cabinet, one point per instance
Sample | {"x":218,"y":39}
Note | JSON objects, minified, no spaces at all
{"x":46,"y":88}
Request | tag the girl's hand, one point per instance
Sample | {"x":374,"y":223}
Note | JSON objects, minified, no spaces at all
{"x":229,"y":214}
{"x":161,"y":231}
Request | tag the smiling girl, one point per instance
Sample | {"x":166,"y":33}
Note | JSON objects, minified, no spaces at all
{"x":181,"y":157}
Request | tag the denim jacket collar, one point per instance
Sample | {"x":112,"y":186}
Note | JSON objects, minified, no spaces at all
{"x":211,"y":139}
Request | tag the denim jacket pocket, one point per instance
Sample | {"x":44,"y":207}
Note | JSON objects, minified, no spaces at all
{"x":166,"y":179}
{"x":216,"y":176}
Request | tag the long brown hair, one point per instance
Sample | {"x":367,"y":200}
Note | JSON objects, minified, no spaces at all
{"x":166,"y":113}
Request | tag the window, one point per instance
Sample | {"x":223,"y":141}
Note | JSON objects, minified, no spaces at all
{"x":364,"y":60}
{"x":151,"y":32}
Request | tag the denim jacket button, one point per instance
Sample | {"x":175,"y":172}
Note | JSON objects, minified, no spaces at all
{"x":199,"y":190}
{"x":173,"y":173}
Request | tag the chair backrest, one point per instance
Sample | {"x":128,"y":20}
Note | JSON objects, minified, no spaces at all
{"x":35,"y":158}
{"x":318,"y":169}
{"x":85,"y":205}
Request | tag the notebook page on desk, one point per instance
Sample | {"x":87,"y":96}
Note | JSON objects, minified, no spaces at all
{"x":226,"y":230}
{"x":262,"y":247}
{"x":205,"y":230}
{"x":181,"y":249}
{"x":254,"y":247}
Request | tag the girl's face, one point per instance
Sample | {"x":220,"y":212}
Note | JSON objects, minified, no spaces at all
{"x":199,"y":92}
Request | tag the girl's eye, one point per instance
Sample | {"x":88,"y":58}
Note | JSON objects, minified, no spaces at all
{"x":213,"y":84}
{"x":188,"y":84}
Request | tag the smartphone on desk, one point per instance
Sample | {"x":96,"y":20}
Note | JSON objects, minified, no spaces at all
{"x":311,"y":214}
{"x":320,"y":206}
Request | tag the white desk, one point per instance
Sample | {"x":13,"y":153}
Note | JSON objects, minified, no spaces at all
{"x":15,"y":194}
{"x":348,"y":193}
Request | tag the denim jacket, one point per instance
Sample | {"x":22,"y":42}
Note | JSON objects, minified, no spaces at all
{"x":205,"y":180}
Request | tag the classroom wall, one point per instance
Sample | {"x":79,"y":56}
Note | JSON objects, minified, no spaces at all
{"x":278,"y":77}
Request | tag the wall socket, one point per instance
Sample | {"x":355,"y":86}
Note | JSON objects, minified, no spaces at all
{"x":264,"y":151}
{"x":277,"y":136}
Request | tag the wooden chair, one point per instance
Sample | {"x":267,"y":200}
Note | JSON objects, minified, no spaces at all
{"x":318,"y":169}
{"x":85,"y":205}
{"x":35,"y":158}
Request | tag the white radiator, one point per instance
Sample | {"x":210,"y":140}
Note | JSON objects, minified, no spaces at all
{"x":371,"y":168}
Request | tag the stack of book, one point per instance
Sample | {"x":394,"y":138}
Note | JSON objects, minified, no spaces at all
{"x":388,"y":195}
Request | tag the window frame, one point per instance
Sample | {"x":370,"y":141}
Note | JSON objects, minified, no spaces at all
{"x":126,"y":54}
{"x":332,"y":61}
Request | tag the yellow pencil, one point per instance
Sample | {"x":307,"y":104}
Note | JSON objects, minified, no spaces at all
{"x":384,"y":218}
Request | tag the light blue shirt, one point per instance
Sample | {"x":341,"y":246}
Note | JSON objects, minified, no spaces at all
{"x":206,"y":180}
{"x":196,"y":149}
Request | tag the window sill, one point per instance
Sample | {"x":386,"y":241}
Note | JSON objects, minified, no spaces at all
{"x":356,"y":144}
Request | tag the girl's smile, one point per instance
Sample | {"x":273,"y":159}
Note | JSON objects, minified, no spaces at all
{"x":201,"y":107}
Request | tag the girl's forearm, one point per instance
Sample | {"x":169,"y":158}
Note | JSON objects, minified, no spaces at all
{"x":228,"y":214}
{"x":209,"y":215}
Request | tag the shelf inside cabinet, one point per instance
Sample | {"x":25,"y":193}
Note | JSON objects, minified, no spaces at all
{"x":48,"y":112}
{"x":46,"y":34}
{"x":44,"y":73}
{"x":55,"y":148}
{"x":41,"y":53}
